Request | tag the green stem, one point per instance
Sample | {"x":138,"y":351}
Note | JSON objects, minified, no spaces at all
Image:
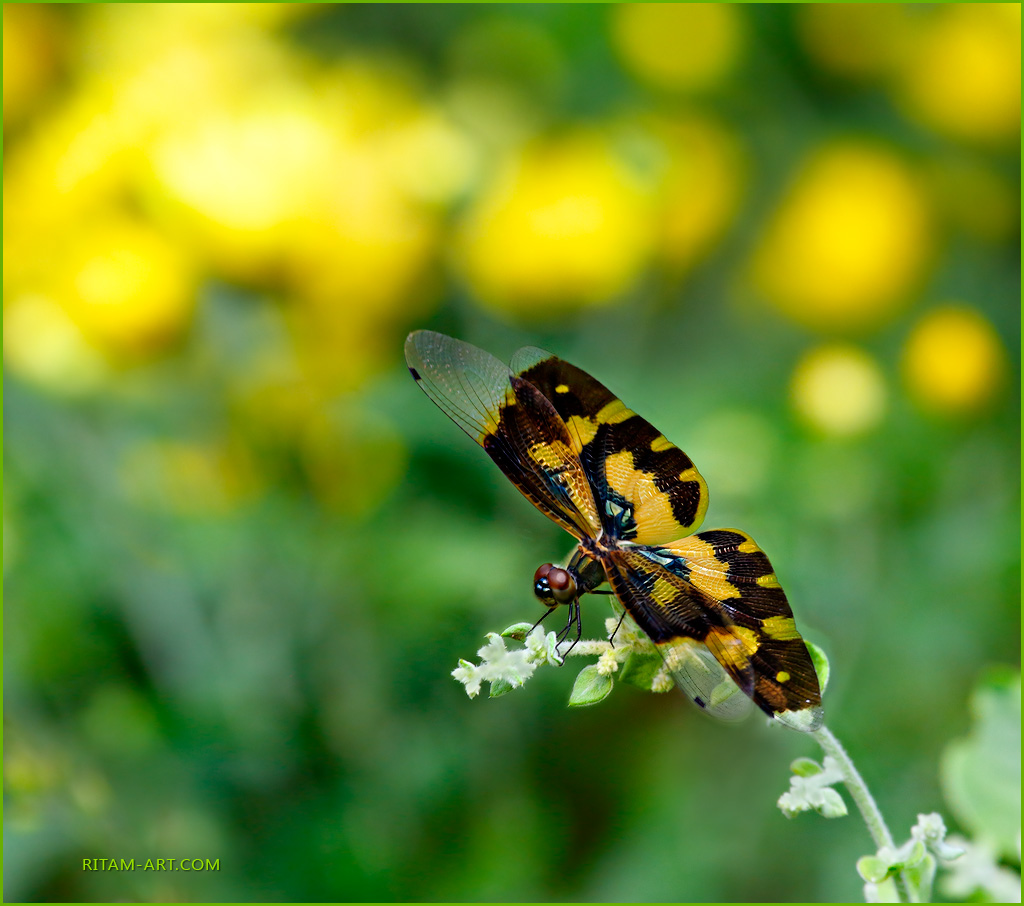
{"x":858,"y":789}
{"x":866,"y":803}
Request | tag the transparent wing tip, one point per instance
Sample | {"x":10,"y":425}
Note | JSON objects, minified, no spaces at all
{"x":806,"y":720}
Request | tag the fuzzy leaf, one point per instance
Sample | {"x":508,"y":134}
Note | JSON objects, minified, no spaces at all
{"x":883,"y":892}
{"x":805,"y":767}
{"x":873,"y":869}
{"x":500,"y":687}
{"x":640,"y":669}
{"x":590,"y":687}
{"x":981,"y":774}
{"x":517,"y":631}
{"x":831,"y":804}
{"x":820,"y":661}
{"x":920,"y":875}
{"x":978,"y":870}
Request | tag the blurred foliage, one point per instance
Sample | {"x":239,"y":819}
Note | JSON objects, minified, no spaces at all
{"x":978,"y":773}
{"x":242,"y":553}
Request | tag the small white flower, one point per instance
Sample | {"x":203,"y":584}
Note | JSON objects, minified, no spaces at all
{"x":931,"y":831}
{"x":543,"y":648}
{"x":497,"y":663}
{"x":608,"y":663}
{"x":662,"y":681}
{"x":469,"y":675}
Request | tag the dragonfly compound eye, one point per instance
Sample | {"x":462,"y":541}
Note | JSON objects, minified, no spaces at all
{"x":562,"y":584}
{"x":541,"y":587}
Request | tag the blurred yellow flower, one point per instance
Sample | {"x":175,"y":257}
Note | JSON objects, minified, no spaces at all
{"x":244,"y":178}
{"x":358,"y":261}
{"x":954,"y":361}
{"x":364,"y":243}
{"x":680,"y":46}
{"x":839,"y":390}
{"x":369,"y":223}
{"x":848,"y":242}
{"x":33,"y":38}
{"x":71,"y":166}
{"x":359,"y":266}
{"x":701,"y":188}
{"x":563,"y":226}
{"x":962,"y":74}
{"x":856,"y":40}
{"x":43,"y":345}
{"x":120,"y":37}
{"x":127,"y":287}
{"x":429,"y":158}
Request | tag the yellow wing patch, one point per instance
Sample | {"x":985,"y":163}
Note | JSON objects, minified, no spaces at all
{"x":652,"y":507}
{"x":782,"y":629}
{"x":735,"y":645}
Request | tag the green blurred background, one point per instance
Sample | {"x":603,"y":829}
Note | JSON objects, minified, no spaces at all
{"x":242,"y":552}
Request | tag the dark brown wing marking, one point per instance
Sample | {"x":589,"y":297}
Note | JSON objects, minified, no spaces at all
{"x":728,"y":569}
{"x":514,"y":423}
{"x":671,"y":614}
{"x":649,"y":490}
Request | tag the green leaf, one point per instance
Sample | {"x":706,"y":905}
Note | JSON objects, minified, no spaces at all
{"x":873,"y":869}
{"x":500,"y":687}
{"x":831,"y":804}
{"x":916,"y":856}
{"x":805,"y":767}
{"x":640,"y":668}
{"x":820,"y":661}
{"x":884,"y":892}
{"x":517,"y":631}
{"x":590,"y":687}
{"x":981,"y":774}
{"x":920,"y":875}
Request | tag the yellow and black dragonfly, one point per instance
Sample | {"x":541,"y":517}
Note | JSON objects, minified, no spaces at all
{"x":709,"y":601}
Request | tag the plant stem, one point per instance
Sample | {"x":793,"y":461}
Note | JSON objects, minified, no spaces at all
{"x":858,"y":789}
{"x":865,"y":802}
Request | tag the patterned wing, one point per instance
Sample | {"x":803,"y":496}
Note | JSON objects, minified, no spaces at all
{"x":698,"y":642}
{"x":727,"y":568}
{"x":648,"y":490}
{"x":514,"y":423}
{"x":717,"y":588}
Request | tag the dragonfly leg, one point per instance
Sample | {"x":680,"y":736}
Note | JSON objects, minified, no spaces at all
{"x":574,"y":619}
{"x":618,"y":626}
{"x":547,"y":613}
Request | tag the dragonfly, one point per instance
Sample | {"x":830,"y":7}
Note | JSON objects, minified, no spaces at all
{"x":709,"y":601}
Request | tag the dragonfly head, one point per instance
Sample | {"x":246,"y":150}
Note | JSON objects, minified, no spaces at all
{"x":554,"y":585}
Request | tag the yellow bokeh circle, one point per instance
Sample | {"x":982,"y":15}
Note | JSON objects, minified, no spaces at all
{"x":953,"y":361}
{"x":564,"y":225}
{"x":839,"y":390}
{"x":962,"y":75}
{"x":849,"y":241}
{"x":679,"y":46}
{"x":698,"y":196}
{"x":127,"y":287}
